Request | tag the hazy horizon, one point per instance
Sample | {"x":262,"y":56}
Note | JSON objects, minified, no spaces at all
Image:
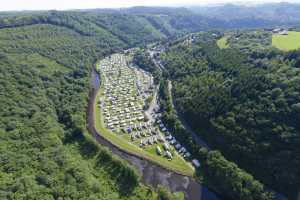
{"x":21,"y":5}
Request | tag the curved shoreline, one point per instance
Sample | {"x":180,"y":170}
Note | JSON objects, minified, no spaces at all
{"x":132,"y":150}
{"x":151,"y":173}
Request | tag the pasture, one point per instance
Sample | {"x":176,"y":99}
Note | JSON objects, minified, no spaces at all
{"x":287,"y":42}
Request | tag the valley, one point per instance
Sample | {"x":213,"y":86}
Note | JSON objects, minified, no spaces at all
{"x":150,"y":103}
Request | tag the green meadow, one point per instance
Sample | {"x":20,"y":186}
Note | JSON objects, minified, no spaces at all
{"x":287,"y":42}
{"x":222,"y":43}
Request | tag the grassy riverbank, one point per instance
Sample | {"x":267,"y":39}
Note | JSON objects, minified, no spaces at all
{"x":178,"y":164}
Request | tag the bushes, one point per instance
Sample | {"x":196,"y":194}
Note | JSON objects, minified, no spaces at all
{"x":164,"y":194}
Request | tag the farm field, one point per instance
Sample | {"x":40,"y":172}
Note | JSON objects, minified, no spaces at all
{"x":145,"y":137}
{"x":287,"y":42}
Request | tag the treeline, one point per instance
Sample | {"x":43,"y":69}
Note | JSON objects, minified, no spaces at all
{"x":221,"y":175}
{"x":136,"y":26}
{"x":244,"y":101}
{"x":129,"y":30}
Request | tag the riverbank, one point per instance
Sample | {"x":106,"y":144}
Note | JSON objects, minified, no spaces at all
{"x":151,"y":174}
{"x":174,"y":165}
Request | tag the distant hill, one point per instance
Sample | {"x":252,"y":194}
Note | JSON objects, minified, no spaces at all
{"x":270,"y":14}
{"x":163,"y":22}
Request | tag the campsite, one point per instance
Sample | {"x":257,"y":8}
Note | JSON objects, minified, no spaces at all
{"x":123,"y":118}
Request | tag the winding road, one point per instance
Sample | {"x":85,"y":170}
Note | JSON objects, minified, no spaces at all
{"x":194,"y":135}
{"x":198,"y":140}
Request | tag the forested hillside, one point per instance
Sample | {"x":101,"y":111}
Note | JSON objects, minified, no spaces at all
{"x":243,"y":101}
{"x":45,"y":63}
{"x":249,"y":15}
{"x":141,"y":25}
{"x":45,"y":150}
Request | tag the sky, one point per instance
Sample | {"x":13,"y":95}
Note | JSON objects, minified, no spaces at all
{"x":9,"y":5}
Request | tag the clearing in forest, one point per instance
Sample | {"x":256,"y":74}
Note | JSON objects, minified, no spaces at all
{"x":222,"y":43}
{"x":288,"y":42}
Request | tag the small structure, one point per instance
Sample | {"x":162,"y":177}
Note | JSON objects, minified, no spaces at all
{"x":142,"y":143}
{"x":169,"y":155}
{"x":160,"y":138}
{"x":177,"y":146}
{"x":182,"y":150}
{"x":169,"y":137}
{"x":158,"y":150}
{"x":173,"y":141}
{"x":280,"y":31}
{"x":166,"y":146}
{"x":187,"y":155}
{"x":138,"y":135}
{"x":284,"y":32}
{"x":196,"y":163}
{"x":132,"y":137}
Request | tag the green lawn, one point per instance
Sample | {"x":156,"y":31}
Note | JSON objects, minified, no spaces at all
{"x":222,"y":43}
{"x":287,"y":42}
{"x":178,"y":164}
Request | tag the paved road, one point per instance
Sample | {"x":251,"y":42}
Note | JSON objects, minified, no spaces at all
{"x":194,"y":135}
{"x":199,"y":141}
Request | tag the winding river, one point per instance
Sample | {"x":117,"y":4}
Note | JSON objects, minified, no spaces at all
{"x":151,"y":174}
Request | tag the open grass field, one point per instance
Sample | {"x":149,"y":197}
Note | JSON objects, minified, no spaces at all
{"x":178,"y":164}
{"x":287,"y":42}
{"x":222,"y":43}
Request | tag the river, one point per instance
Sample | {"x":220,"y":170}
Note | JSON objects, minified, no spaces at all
{"x":151,"y":174}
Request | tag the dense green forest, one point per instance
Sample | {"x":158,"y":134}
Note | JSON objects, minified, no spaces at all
{"x":222,"y":176}
{"x":45,"y":63}
{"x":45,"y":150}
{"x":244,"y":100}
{"x":219,"y":174}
